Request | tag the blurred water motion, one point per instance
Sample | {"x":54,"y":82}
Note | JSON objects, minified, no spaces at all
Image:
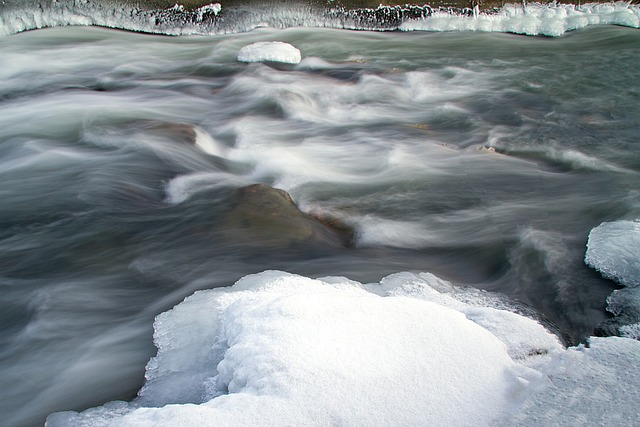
{"x":485,"y":159}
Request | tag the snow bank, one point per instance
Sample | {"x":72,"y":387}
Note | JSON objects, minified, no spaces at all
{"x":270,"y":52}
{"x":534,"y":19}
{"x":280,"y":349}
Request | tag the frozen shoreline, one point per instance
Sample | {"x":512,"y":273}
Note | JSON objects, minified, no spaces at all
{"x":277,"y":348}
{"x":197,"y":17}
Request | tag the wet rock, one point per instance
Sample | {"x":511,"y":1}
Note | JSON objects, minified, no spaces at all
{"x":269,"y":217}
{"x":178,"y":132}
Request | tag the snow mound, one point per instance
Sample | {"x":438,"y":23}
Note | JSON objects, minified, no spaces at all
{"x":281,"y":349}
{"x":531,"y":19}
{"x":270,"y":52}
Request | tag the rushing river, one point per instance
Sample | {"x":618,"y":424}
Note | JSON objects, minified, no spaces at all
{"x":483,"y":158}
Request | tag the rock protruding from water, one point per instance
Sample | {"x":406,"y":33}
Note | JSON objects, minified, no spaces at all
{"x":269,"y":217}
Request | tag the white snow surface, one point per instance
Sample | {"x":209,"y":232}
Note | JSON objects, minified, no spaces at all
{"x":532,"y":19}
{"x":270,"y":52}
{"x":614,"y":250}
{"x":281,"y":349}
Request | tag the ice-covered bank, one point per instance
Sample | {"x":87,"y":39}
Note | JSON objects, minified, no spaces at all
{"x":216,"y":18}
{"x":533,"y":19}
{"x":282,"y":349}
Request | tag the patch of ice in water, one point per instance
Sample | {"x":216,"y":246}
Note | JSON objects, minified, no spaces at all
{"x":270,"y":52}
{"x":578,"y":160}
{"x":614,"y":250}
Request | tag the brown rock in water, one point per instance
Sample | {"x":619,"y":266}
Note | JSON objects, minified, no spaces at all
{"x":269,"y":216}
{"x":183,"y":133}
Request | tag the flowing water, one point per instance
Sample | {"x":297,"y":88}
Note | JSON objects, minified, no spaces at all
{"x":483,"y":158}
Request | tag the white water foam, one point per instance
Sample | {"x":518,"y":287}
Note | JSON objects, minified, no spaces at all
{"x":183,"y":187}
{"x":270,"y":52}
{"x":206,"y":143}
{"x":374,"y":231}
{"x":282,"y":349}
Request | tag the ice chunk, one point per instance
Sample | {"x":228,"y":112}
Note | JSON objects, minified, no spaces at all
{"x":270,"y":52}
{"x":281,"y":349}
{"x":614,"y":250}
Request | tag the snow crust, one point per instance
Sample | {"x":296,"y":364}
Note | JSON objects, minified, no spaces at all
{"x":270,"y":52}
{"x":614,"y":250}
{"x":532,"y":19}
{"x":281,"y":349}
{"x":593,"y":385}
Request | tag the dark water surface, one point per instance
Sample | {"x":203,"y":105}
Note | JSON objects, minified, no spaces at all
{"x":483,"y":158}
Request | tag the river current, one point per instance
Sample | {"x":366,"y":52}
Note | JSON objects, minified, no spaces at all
{"x":483,"y":158}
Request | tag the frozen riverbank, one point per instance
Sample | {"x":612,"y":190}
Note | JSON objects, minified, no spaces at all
{"x":552,"y":19}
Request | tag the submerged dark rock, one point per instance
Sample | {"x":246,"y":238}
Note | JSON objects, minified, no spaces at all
{"x":269,"y":217}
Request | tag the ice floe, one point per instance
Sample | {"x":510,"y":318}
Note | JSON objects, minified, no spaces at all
{"x":270,"y":52}
{"x":282,"y":349}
